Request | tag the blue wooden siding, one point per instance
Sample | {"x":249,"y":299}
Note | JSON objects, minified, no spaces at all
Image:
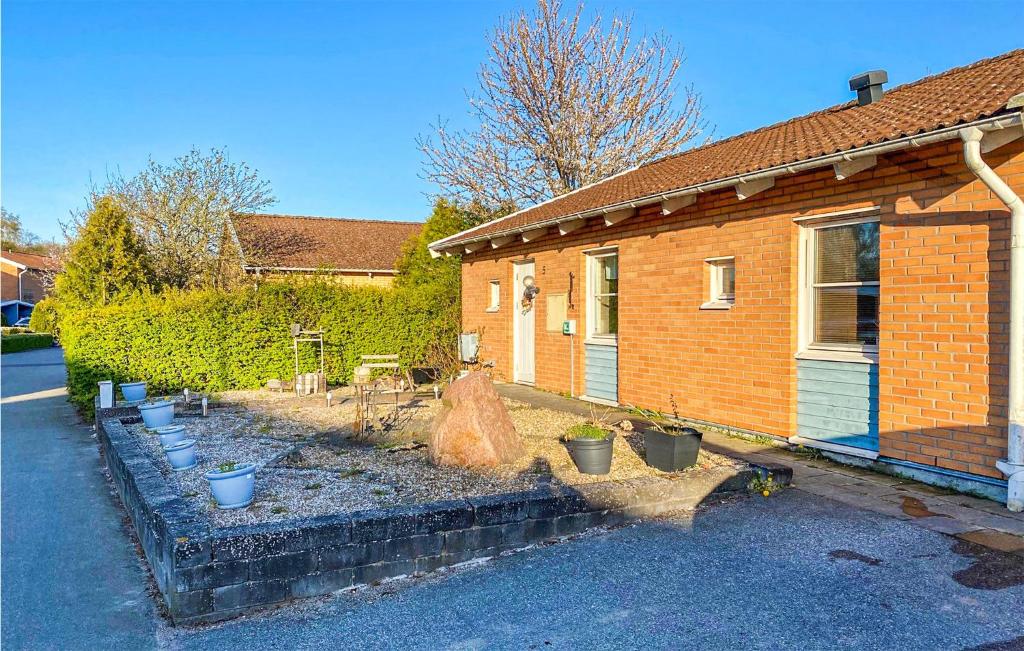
{"x":837,"y":402}
{"x":602,"y":372}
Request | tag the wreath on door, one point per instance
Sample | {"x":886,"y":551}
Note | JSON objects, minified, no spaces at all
{"x":530,"y":291}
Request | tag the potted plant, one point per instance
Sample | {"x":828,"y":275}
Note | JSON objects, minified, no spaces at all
{"x":133,"y":391}
{"x":590,"y":445}
{"x":181,"y":455}
{"x":668,"y":447}
{"x":170,"y":434}
{"x":233,"y":484}
{"x":157,"y":414}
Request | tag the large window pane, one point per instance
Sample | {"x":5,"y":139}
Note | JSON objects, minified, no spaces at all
{"x":847,"y":254}
{"x":846,"y":315}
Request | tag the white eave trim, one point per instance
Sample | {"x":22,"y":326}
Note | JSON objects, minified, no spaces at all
{"x":996,"y":123}
{"x":16,"y":264}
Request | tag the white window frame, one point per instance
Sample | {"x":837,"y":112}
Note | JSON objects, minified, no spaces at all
{"x":807,"y":348}
{"x":716,"y":300}
{"x":592,"y":281}
{"x":494,"y":295}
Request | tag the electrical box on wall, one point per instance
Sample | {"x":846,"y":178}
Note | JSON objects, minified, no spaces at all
{"x":569,"y":327}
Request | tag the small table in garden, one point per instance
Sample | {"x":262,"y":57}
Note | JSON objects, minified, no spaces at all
{"x":368,"y":391}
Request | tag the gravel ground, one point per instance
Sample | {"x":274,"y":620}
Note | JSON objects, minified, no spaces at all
{"x":301,"y":475}
{"x":794,"y":571}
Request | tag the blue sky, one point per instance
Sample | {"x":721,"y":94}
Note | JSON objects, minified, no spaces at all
{"x":326,"y":99}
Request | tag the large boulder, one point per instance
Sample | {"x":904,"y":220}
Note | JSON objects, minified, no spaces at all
{"x":473,"y":428}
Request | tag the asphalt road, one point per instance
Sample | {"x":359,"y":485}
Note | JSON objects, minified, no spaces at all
{"x":793,"y":571}
{"x":70,"y":575}
{"x":790,"y":572}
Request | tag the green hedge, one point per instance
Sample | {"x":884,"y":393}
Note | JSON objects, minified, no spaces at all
{"x":15,"y":343}
{"x":217,"y":340}
{"x":44,"y":316}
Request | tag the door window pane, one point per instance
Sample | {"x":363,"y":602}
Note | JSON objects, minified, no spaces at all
{"x":606,"y":315}
{"x":604,"y":295}
{"x":846,"y":315}
{"x":847,"y":253}
{"x":608,"y":274}
{"x":846,"y":286}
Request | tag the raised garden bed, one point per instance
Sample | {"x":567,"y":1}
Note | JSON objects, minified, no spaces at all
{"x":327,"y":517}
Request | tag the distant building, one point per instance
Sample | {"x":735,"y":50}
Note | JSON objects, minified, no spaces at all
{"x":356,"y":251}
{"x":24,"y":281}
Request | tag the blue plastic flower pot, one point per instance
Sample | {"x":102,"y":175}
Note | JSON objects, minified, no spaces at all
{"x":233,"y":489}
{"x":157,"y":414}
{"x":182,"y":456}
{"x":170,"y":435}
{"x":133,"y":391}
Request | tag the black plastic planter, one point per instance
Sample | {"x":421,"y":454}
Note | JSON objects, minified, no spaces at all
{"x":592,"y":456}
{"x":673,"y":451}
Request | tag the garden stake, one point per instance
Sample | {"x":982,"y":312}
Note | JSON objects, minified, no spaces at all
{"x":204,"y":406}
{"x":329,"y":396}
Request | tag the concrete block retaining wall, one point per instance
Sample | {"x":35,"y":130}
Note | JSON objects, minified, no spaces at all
{"x":207,"y":573}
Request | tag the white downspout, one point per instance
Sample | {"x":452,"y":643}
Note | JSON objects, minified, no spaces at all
{"x":1013,"y":465}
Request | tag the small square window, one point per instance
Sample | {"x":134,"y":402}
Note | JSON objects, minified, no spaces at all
{"x":721,"y":283}
{"x":495,"y":296}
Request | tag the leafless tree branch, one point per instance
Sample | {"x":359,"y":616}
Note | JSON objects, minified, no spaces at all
{"x":560,"y":105}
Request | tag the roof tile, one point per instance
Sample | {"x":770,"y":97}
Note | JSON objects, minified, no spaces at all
{"x":953,"y":97}
{"x":298,"y":242}
{"x":33,"y":261}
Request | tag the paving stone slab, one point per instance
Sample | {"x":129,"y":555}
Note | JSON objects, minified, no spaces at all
{"x":993,"y":539}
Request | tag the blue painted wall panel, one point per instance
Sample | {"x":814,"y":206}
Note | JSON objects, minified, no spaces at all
{"x":602,"y":372}
{"x":837,"y":402}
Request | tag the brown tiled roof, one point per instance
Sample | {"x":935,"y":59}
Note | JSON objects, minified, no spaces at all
{"x":33,"y":261}
{"x":954,"y":97}
{"x":287,"y":241}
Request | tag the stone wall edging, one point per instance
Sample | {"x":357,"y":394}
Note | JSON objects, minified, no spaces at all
{"x":207,"y":573}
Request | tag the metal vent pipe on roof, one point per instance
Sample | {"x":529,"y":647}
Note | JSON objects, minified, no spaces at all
{"x":869,"y":86}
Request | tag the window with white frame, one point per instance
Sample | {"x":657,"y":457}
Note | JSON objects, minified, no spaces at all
{"x":603,"y":295}
{"x":842,"y":286}
{"x":721,"y":282}
{"x":495,"y":296}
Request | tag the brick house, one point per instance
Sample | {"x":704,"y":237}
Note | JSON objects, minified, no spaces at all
{"x":353,"y":251}
{"x":840,"y":280}
{"x":24,"y":281}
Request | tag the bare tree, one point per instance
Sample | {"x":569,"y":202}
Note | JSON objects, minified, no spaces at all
{"x":181,"y":211}
{"x":561,"y":105}
{"x":14,"y":237}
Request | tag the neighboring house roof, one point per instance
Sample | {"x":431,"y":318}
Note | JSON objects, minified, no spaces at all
{"x":31,"y":261}
{"x":307,"y":243}
{"x":951,"y":98}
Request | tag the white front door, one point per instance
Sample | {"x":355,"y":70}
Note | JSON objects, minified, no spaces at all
{"x":522,"y":325}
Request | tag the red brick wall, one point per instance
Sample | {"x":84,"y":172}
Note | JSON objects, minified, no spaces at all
{"x":33,"y":288}
{"x":8,"y":282}
{"x":942,"y":359}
